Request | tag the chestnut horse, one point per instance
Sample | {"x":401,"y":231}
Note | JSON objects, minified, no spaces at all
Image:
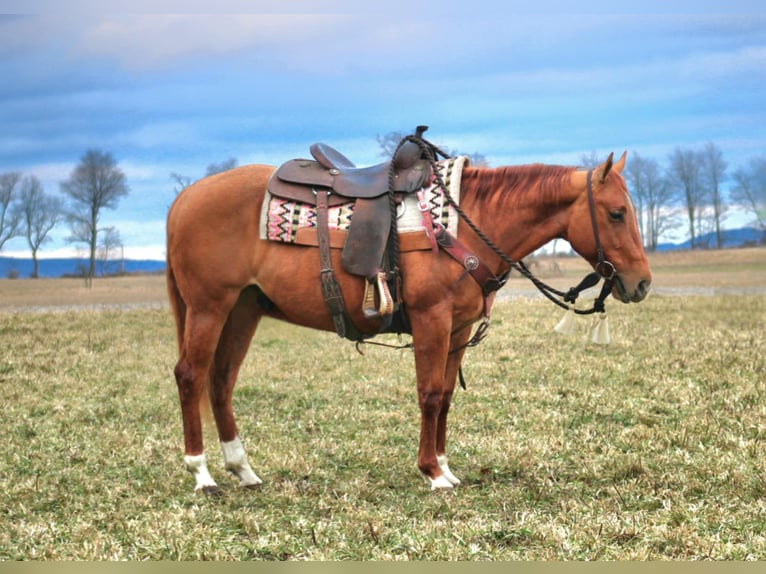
{"x":222,"y":278}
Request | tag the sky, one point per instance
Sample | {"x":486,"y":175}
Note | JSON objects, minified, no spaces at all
{"x":172,"y":87}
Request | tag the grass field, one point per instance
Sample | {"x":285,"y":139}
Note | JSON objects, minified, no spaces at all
{"x":651,"y":448}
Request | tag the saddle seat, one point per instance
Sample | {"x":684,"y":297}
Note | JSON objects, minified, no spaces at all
{"x":331,"y":169}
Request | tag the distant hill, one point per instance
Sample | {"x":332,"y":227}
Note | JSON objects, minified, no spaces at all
{"x":22,"y":268}
{"x":731,"y":238}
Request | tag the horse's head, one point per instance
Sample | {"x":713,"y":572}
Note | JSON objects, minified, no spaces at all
{"x":605,"y":215}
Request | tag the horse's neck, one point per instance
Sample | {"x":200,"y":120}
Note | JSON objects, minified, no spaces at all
{"x":520,"y":208}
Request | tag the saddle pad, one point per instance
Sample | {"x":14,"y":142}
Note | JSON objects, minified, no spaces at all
{"x":289,"y":221}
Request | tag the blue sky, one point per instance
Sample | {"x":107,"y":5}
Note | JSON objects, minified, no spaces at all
{"x":174,"y":86}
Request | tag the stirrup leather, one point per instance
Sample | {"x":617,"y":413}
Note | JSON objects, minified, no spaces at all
{"x":377,"y":297}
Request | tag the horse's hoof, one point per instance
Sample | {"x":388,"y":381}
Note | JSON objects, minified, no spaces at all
{"x":252,"y":486}
{"x":212,"y":490}
{"x":440,"y":483}
{"x":446,"y":472}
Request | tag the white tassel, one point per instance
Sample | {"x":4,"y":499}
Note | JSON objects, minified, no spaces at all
{"x":567,"y":324}
{"x":601,"y":331}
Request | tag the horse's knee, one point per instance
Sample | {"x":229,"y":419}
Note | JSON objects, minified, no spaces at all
{"x":189,"y":386}
{"x":430,"y":402}
{"x":182,"y":372}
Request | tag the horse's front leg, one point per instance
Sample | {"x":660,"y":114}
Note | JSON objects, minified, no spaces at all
{"x":430,"y":336}
{"x":454,"y":358}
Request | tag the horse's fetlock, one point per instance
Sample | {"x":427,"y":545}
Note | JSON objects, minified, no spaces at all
{"x":430,"y":469}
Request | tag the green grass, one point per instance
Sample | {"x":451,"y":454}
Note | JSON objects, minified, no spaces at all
{"x":651,"y":448}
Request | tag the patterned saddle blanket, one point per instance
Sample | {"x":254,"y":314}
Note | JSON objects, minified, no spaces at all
{"x":290,"y":221}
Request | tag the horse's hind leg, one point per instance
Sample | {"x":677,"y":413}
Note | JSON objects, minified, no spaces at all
{"x":232,"y":348}
{"x":192,"y":372}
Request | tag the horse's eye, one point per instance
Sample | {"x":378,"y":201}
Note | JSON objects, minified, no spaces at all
{"x":617,"y":216}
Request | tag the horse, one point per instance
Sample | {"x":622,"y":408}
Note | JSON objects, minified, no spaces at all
{"x":223,"y":277}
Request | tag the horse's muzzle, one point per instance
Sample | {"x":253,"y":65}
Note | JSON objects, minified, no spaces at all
{"x":639,"y":294}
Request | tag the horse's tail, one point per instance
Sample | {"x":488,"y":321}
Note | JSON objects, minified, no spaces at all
{"x":177,"y":303}
{"x":178,"y":306}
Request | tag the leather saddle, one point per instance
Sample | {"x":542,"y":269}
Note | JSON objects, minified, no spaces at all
{"x":331,"y":169}
{"x":331,"y":179}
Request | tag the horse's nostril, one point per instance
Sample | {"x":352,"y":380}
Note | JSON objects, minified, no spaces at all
{"x":643,"y":288}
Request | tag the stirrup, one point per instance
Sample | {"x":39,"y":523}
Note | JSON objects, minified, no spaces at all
{"x":377,"y":288}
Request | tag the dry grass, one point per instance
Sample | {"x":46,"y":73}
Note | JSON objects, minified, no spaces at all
{"x":651,"y":448}
{"x":125,"y":291}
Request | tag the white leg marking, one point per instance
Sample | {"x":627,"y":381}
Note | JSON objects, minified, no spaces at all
{"x":235,"y":461}
{"x":440,"y":483}
{"x":446,"y":473}
{"x":197,"y":466}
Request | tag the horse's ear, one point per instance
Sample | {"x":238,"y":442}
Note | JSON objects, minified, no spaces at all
{"x":606,"y":167}
{"x":620,"y":165}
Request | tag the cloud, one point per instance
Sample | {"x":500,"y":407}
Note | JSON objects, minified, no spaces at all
{"x":160,"y":41}
{"x":171,"y":88}
{"x":717,"y":65}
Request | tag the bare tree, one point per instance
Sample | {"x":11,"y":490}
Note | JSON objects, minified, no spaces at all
{"x":750,"y":189}
{"x":181,"y":181}
{"x":95,"y":184}
{"x":658,"y":201}
{"x":389,"y":142}
{"x":590,"y":159}
{"x":9,"y":214}
{"x":636,"y":174}
{"x":477,"y":159}
{"x":684,"y":173}
{"x":39,"y":215}
{"x":110,"y":248}
{"x":653,"y":197}
{"x":221,"y":166}
{"x":713,"y":173}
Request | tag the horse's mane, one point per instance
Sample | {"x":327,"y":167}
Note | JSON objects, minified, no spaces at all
{"x":515,"y":183}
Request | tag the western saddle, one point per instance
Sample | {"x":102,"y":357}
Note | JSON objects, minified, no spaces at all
{"x":371,"y":246}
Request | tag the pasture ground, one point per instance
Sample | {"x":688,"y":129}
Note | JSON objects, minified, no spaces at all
{"x":651,"y":448}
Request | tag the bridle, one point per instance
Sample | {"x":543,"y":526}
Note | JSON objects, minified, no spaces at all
{"x":604,"y":269}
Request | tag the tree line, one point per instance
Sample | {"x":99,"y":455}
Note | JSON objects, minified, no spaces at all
{"x":689,"y":191}
{"x":95,"y":184}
